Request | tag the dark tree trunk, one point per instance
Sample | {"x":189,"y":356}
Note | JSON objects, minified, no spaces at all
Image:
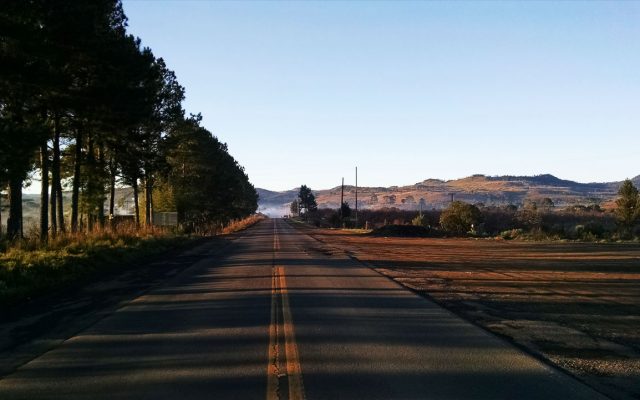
{"x":57,"y":213}
{"x":135,"y":202}
{"x":148,"y":201}
{"x":90,"y":184}
{"x":1,"y":212}
{"x":75,"y":194}
{"x":54,"y":179}
{"x":112,"y":189}
{"x":53,"y":204}
{"x":102,"y":166}
{"x":44,"y":191}
{"x":14,"y":223}
{"x":61,"y":223}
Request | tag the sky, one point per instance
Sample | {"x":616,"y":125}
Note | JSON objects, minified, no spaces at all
{"x":303,"y":92}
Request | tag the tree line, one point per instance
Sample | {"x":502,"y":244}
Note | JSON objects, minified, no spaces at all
{"x":87,"y":107}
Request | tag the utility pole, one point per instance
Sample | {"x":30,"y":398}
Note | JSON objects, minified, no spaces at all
{"x":341,"y":199}
{"x":356,"y":197}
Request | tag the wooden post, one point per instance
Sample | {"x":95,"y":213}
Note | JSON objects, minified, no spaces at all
{"x":356,"y":197}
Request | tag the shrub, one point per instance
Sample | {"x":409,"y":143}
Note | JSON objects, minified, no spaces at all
{"x":460,"y":217}
{"x":419,"y":220}
{"x":511,"y":234}
{"x":590,"y":231}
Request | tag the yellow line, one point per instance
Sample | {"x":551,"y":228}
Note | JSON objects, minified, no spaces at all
{"x":294,"y":371}
{"x":272,"y":368}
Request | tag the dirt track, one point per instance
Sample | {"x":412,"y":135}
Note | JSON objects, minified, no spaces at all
{"x":573,"y":304}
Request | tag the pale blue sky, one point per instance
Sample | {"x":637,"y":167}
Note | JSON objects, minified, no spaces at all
{"x":303,"y":92}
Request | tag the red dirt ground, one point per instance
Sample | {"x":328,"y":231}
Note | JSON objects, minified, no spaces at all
{"x":576,"y":305}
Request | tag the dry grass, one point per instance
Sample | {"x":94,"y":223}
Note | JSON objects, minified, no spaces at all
{"x":30,"y":267}
{"x":241,"y":224}
{"x":575,"y":304}
{"x":124,"y":231}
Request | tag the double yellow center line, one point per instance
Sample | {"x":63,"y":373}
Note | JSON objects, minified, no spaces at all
{"x":281,"y":329}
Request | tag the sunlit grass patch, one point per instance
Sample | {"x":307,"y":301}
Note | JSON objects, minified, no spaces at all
{"x":241,"y":224}
{"x":29,"y":268}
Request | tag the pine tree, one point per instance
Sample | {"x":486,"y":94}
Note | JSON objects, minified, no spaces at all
{"x":97,"y":108}
{"x":628,"y":208}
{"x":307,"y":200}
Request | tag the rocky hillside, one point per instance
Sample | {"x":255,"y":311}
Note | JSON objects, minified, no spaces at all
{"x":435,"y":193}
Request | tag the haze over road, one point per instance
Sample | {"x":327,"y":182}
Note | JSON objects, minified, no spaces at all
{"x":277,"y":315}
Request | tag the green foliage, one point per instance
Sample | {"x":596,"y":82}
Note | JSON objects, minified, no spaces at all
{"x":163,"y":197}
{"x":420,"y":220}
{"x":207,"y":183}
{"x":628,"y":208}
{"x":590,"y":231}
{"x":307,"y":200}
{"x":295,"y":207}
{"x":19,"y":140}
{"x":460,"y":218}
{"x":345,"y":210}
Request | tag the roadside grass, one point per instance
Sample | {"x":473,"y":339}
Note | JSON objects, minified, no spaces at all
{"x":241,"y":224}
{"x":30,"y":268}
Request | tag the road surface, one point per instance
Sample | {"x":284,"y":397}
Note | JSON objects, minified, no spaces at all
{"x":276,"y":316}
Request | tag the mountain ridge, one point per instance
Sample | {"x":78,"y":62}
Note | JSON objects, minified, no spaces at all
{"x":436,"y":193}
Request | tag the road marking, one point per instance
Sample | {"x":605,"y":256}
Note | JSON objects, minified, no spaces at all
{"x":277,"y":329}
{"x":272,"y":369}
{"x":294,"y":371}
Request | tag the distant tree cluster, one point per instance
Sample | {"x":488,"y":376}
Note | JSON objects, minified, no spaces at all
{"x":305,"y":203}
{"x":84,"y":105}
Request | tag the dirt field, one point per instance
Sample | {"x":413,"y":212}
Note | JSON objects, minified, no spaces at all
{"x":576,"y":305}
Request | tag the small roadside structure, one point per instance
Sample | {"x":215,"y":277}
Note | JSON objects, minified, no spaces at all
{"x":165,"y":218}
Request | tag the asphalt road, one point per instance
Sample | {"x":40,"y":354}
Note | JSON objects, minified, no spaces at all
{"x":279,"y":316}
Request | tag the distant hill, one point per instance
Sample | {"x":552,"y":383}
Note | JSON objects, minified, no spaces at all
{"x":275,"y":204}
{"x":435,"y":193}
{"x":31,"y":206}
